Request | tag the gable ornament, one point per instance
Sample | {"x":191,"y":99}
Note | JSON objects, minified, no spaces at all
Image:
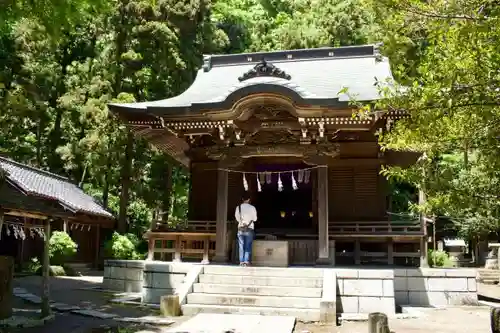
{"x":264,"y":68}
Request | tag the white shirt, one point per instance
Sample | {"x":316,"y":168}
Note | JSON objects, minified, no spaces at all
{"x":248,"y":213}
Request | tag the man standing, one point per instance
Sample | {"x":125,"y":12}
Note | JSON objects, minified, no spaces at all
{"x":246,"y":216}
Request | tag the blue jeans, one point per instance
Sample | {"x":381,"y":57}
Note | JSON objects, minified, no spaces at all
{"x":245,"y":240}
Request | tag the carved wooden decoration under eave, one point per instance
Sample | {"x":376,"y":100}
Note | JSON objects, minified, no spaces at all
{"x":301,"y":151}
{"x":264,"y":68}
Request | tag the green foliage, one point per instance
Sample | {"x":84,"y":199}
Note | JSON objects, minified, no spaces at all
{"x":53,"y":271}
{"x":62,"y":62}
{"x":61,"y":247}
{"x":32,"y":266}
{"x":123,"y":247}
{"x":439,"y":259}
{"x":447,"y":57}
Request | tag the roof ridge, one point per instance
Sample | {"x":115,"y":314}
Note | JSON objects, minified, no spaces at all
{"x":46,"y":173}
{"x":299,"y":54}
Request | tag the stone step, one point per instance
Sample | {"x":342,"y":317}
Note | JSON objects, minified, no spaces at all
{"x":305,"y":315}
{"x":298,"y":272}
{"x":488,"y":276}
{"x":252,"y":300}
{"x":262,"y":280}
{"x":210,"y":288}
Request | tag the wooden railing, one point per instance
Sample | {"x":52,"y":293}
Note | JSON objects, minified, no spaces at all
{"x":375,"y":228}
{"x":188,"y":226}
{"x":190,"y":240}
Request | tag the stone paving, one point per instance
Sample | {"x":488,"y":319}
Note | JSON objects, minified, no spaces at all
{"x":81,"y":307}
{"x":221,"y":323}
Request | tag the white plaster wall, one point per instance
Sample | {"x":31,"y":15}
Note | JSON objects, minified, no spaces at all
{"x":435,"y":287}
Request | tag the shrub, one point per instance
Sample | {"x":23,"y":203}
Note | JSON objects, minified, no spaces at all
{"x":439,"y":259}
{"x":122,"y":247}
{"x":33,"y":265}
{"x":61,"y":247}
{"x":53,"y":271}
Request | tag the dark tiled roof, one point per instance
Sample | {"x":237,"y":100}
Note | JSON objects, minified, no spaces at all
{"x":314,"y":74}
{"x":46,"y":185}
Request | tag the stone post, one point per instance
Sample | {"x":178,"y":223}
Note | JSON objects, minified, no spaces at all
{"x":378,"y":323}
{"x":221,"y":223}
{"x":323,"y":244}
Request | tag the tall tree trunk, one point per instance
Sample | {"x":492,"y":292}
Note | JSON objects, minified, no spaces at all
{"x":105,"y":190}
{"x":125,"y":182}
{"x":39,"y":131}
{"x":466,"y":155}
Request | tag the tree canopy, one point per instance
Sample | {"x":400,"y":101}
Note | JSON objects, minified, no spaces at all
{"x":62,"y":61}
{"x":446,"y":57}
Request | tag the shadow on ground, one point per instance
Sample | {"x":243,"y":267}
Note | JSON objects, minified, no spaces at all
{"x":81,"y":291}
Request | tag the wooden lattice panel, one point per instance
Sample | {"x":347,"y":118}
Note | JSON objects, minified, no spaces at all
{"x":366,"y":199}
{"x":340,"y":195}
{"x":356,"y":193}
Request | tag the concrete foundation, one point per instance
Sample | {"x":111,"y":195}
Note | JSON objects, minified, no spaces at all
{"x":161,"y":279}
{"x":365,"y":291}
{"x":435,"y":287}
{"x":293,"y":289}
{"x":123,"y":275}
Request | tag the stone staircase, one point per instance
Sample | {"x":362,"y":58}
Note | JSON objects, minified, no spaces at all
{"x":257,"y":290}
{"x":488,"y":276}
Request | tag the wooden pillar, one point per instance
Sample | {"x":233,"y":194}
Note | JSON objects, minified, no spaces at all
{"x":97,"y":245}
{"x":423,"y":225}
{"x":178,"y":247}
{"x":6,"y":278}
{"x":46,"y":271}
{"x":2,"y":217}
{"x":390,"y":252}
{"x":206,"y":249}
{"x":151,"y":248}
{"x":221,"y":223}
{"x":65,"y":226}
{"x":323,"y":244}
{"x":357,"y":252}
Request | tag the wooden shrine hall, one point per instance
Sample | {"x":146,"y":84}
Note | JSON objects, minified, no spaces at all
{"x":277,"y":124}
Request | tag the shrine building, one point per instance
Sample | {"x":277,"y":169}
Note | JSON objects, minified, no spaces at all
{"x":281,"y":126}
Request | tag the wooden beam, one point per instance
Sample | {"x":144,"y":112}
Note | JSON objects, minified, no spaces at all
{"x":19,"y":213}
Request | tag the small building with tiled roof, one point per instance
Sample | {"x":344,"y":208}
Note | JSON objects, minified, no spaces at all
{"x":29,"y":196}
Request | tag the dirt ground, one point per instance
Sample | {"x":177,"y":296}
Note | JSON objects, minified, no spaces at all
{"x":69,"y":290}
{"x":450,"y":320}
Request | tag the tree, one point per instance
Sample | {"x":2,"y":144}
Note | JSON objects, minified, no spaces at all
{"x":449,"y":88}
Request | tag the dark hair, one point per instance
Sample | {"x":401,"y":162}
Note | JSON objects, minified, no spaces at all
{"x":245,"y":197}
